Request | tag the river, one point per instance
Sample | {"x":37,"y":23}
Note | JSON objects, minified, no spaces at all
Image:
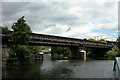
{"x":61,"y":69}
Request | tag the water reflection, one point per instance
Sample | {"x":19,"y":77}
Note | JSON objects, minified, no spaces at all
{"x":26,"y":71}
{"x":48,"y":68}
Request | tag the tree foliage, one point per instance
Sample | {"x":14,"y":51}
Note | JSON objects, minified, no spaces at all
{"x":91,"y":39}
{"x":22,"y":53}
{"x":118,"y":42}
{"x":21,"y":25}
{"x":5,"y":29}
{"x":101,"y":40}
{"x":20,"y":38}
{"x":113,"y":52}
{"x":19,"y":34}
{"x":36,"y":49}
{"x":20,"y":50}
{"x":60,"y":50}
{"x":85,"y":39}
{"x":18,"y":53}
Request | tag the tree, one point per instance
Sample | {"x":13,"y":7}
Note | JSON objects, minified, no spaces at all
{"x":22,"y":53}
{"x":19,"y":34}
{"x":101,"y":40}
{"x":91,"y":39}
{"x":59,"y":52}
{"x":92,"y":52}
{"x":118,"y":42}
{"x":5,"y":39}
{"x":113,"y":52}
{"x":36,"y":49}
{"x":20,"y":48}
{"x":85,"y":39}
{"x":5,"y":29}
{"x":20,"y":38}
{"x":21,"y":25}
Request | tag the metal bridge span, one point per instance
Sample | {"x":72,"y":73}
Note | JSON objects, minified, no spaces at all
{"x":75,"y":44}
{"x":41,"y":39}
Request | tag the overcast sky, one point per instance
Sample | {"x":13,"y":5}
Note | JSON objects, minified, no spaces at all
{"x":69,"y":19}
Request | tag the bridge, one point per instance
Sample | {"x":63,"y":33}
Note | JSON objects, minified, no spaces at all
{"x":42,"y":39}
{"x":76,"y":45}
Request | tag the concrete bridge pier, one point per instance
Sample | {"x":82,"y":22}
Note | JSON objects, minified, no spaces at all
{"x":77,"y":53}
{"x":83,"y":54}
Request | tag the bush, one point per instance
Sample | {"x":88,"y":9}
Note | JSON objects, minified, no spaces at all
{"x":22,"y":53}
{"x":19,"y":53}
{"x":113,"y":52}
{"x":59,"y":52}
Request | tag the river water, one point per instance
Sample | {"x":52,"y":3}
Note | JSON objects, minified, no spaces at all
{"x":61,"y":69}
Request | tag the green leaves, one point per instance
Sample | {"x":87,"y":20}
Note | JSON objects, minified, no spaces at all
{"x":113,"y":52}
{"x":20,"y":50}
{"x":101,"y":40}
{"x":60,"y":50}
{"x":20,"y":25}
{"x":118,"y":42}
{"x":20,"y":38}
{"x":5,"y":29}
{"x":21,"y":29}
{"x":36,"y":49}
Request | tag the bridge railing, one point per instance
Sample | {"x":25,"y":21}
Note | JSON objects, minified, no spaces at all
{"x":52,"y":39}
{"x":88,"y":43}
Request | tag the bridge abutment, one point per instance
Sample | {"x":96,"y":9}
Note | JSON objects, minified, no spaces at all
{"x":77,"y":53}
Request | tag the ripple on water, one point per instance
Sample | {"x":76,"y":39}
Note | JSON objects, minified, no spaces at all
{"x":63,"y":69}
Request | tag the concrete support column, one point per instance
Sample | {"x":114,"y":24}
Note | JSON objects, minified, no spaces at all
{"x":83,"y":54}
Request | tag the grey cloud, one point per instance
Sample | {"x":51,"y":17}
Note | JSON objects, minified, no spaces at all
{"x":11,"y":8}
{"x":68,"y":29}
{"x":0,"y":14}
{"x":42,"y":15}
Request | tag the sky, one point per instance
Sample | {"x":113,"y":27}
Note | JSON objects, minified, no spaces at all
{"x":78,"y":19}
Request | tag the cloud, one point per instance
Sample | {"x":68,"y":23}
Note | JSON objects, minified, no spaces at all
{"x":0,"y":14}
{"x":100,"y":1}
{"x":72,"y":19}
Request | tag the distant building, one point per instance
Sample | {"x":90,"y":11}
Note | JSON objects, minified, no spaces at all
{"x":41,"y":53}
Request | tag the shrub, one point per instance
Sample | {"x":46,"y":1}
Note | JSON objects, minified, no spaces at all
{"x":113,"y":52}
